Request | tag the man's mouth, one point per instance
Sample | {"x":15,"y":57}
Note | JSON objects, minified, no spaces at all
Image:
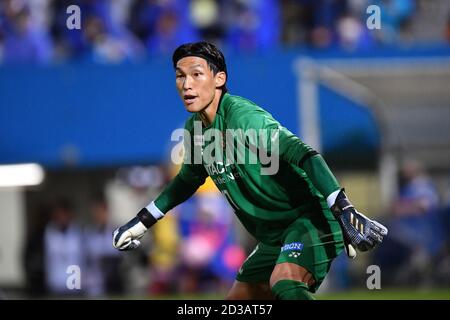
{"x":189,"y":99}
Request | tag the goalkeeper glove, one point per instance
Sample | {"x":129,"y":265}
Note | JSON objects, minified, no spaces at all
{"x":358,"y":231}
{"x":127,"y":236}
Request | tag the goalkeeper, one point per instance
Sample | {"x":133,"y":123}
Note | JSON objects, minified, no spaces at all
{"x":295,"y":207}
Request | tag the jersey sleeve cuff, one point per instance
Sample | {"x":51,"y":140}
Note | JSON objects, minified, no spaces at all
{"x":331,"y":199}
{"x":154,"y":211}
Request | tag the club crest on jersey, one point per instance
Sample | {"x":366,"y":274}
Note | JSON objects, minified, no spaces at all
{"x":292,"y":246}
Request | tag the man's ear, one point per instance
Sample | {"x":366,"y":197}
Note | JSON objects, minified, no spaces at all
{"x":220,"y":78}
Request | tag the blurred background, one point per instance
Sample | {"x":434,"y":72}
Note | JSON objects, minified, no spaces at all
{"x":86,"y":117}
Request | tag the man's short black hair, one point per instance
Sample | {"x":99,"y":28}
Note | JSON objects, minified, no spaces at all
{"x":202,"y":49}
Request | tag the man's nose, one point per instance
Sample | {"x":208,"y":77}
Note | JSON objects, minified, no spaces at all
{"x":187,"y":83}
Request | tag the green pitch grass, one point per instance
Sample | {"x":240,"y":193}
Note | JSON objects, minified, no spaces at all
{"x":383,"y":294}
{"x":388,"y":294}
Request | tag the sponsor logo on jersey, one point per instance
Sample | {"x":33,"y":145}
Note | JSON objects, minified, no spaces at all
{"x":292,"y":246}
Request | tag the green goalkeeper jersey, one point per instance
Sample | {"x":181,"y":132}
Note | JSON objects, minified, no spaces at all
{"x":269,"y":176}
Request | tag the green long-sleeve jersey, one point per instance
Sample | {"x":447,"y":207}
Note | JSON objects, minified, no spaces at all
{"x":269,"y":176}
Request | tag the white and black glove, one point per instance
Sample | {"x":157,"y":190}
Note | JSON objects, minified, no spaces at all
{"x":127,"y":236}
{"x":358,"y":231}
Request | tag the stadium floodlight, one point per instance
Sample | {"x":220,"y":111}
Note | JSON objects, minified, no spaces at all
{"x":21,"y":175}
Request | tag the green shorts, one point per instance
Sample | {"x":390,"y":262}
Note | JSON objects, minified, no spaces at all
{"x":311,"y":241}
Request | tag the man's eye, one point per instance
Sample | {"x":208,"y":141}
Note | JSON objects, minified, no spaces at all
{"x":196,"y":74}
{"x":179,"y":76}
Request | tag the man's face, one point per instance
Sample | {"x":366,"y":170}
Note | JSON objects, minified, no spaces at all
{"x":196,"y":83}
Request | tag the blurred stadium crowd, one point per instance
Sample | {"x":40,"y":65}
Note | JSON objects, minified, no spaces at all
{"x":416,"y":253}
{"x":113,"y":31}
{"x":195,"y":249}
{"x":199,"y":246}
